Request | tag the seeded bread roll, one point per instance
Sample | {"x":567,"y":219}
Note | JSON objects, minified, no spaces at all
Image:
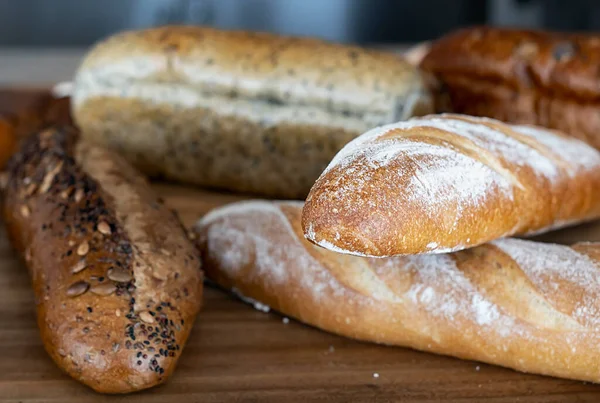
{"x":549,"y":79}
{"x":525,"y":305}
{"x":117,"y":283}
{"x":442,"y":183}
{"x":249,"y":112}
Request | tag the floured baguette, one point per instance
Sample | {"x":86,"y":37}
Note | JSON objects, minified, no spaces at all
{"x":529,"y":306}
{"x":447,"y":182}
{"x":242,"y":111}
{"x":116,"y":281}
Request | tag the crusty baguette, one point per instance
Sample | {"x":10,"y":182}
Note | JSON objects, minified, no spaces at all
{"x":546,"y":78}
{"x":116,"y":281}
{"x":249,"y":112}
{"x":528,"y":306}
{"x":447,"y":182}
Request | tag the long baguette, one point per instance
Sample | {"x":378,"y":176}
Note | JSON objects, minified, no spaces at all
{"x":117,"y":283}
{"x":243,"y":111}
{"x":521,"y":76}
{"x":447,"y":182}
{"x":520,"y":304}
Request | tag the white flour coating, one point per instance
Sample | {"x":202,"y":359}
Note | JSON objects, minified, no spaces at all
{"x":442,"y":290}
{"x":259,"y":306}
{"x":449,"y":178}
{"x":576,"y":153}
{"x":551,"y":267}
{"x":434,"y":282}
{"x":476,"y":131}
{"x":497,"y":142}
{"x":236,"y":237}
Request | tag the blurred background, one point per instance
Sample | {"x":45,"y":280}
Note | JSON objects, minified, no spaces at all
{"x":42,"y":41}
{"x":79,"y":23}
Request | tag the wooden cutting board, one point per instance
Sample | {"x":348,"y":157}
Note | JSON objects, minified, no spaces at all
{"x":236,"y":353}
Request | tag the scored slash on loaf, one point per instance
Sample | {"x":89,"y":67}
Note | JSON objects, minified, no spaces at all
{"x":447,"y":182}
{"x":525,"y":305}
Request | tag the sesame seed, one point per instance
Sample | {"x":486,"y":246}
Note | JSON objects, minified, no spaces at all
{"x":77,"y":288}
{"x":71,"y":243}
{"x":78,"y":195}
{"x":30,"y":189}
{"x":79,"y":266}
{"x":146,"y":317}
{"x":285,"y":321}
{"x":104,"y":228}
{"x":118,"y":312}
{"x":65,"y":193}
{"x":375,"y":375}
{"x":83,"y":248}
{"x":119,"y":274}
{"x":25,"y":212}
{"x":104,"y":289}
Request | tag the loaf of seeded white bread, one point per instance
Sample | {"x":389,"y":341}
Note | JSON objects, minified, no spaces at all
{"x":117,"y":283}
{"x":447,"y":182}
{"x":529,"y":306}
{"x":248,"y":112}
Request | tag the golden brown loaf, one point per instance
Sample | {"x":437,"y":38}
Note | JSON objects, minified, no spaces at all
{"x":447,"y":182}
{"x":249,"y":112}
{"x":117,"y":283}
{"x":518,"y":76}
{"x":528,"y":306}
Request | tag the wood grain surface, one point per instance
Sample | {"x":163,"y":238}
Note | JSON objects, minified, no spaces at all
{"x":238,"y":354}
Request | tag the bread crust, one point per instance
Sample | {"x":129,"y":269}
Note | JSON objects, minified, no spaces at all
{"x":521,"y":76}
{"x":447,"y":182}
{"x":520,"y":304}
{"x":224,"y":108}
{"x":117,"y":283}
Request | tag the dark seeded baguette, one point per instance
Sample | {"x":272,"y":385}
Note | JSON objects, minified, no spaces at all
{"x":243,"y":111}
{"x":116,"y":281}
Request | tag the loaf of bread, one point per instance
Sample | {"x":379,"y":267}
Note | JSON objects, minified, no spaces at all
{"x":117,"y":283}
{"x":248,"y":112}
{"x":442,"y":183}
{"x":549,"y":79}
{"x":529,"y":306}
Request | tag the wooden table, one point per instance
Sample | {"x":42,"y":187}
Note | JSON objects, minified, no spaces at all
{"x":236,"y":353}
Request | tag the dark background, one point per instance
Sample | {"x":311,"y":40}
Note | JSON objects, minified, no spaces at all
{"x":76,"y":23}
